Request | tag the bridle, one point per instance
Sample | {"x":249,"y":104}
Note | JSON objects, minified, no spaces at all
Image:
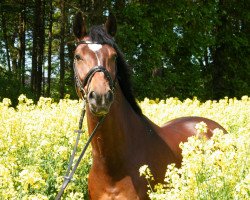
{"x":84,"y":93}
{"x":88,"y":77}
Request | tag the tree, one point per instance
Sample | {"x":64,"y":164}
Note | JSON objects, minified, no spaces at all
{"x":182,"y":48}
{"x":62,"y":47}
{"x":5,"y":38}
{"x":49,"y":47}
{"x":22,"y":47}
{"x":227,"y":54}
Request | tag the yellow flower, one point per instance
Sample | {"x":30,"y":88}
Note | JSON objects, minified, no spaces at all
{"x":36,"y":140}
{"x":201,"y":129}
{"x":29,"y":178}
{"x":6,"y":102}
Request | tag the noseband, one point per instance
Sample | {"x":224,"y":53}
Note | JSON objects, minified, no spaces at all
{"x":87,"y":79}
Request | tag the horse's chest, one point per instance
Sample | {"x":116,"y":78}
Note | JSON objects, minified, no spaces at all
{"x":117,"y":195}
{"x":105,"y":189}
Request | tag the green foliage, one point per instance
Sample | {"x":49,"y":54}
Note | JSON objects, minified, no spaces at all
{"x":175,"y":48}
{"x":10,"y":87}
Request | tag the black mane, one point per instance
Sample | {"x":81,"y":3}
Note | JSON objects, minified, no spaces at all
{"x":99,"y":35}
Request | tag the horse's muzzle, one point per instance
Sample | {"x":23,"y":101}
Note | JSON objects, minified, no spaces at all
{"x":99,"y":104}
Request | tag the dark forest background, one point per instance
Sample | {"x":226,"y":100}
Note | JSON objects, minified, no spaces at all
{"x":180,"y":48}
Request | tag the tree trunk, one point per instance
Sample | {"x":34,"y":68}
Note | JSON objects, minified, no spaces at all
{"x":50,"y":48}
{"x":4,"y":29}
{"x":69,"y":82}
{"x":22,"y":22}
{"x":14,"y":51}
{"x":219,"y":55}
{"x":40,"y":46}
{"x":37,"y":12}
{"x":62,"y":48}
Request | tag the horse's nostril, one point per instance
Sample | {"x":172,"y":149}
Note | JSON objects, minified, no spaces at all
{"x":110,"y":96}
{"x":92,"y":95}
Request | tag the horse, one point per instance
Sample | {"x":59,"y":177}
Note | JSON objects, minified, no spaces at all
{"x":126,"y":139}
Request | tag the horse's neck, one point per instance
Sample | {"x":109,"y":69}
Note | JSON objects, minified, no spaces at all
{"x":116,"y":134}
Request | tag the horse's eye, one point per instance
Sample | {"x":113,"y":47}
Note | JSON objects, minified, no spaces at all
{"x":78,"y":57}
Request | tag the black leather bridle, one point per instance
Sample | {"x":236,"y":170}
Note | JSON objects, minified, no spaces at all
{"x":88,"y":77}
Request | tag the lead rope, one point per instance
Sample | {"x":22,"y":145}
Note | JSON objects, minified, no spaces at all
{"x":69,"y":175}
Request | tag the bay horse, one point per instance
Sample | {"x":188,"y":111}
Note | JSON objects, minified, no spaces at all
{"x":126,"y":140}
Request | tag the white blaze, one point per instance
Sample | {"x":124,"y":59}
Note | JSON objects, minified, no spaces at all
{"x":94,"y":47}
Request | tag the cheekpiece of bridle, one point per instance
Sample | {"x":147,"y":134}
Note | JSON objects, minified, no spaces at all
{"x":88,"y":77}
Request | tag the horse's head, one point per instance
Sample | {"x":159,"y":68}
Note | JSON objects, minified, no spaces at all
{"x":95,"y":64}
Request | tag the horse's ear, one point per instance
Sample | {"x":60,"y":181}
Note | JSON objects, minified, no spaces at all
{"x":79,"y":26}
{"x":110,"y":25}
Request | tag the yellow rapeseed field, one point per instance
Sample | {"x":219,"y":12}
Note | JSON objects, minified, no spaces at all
{"x":36,"y":141}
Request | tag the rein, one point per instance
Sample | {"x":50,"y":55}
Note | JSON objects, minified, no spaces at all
{"x":69,"y":175}
{"x":81,"y":85}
